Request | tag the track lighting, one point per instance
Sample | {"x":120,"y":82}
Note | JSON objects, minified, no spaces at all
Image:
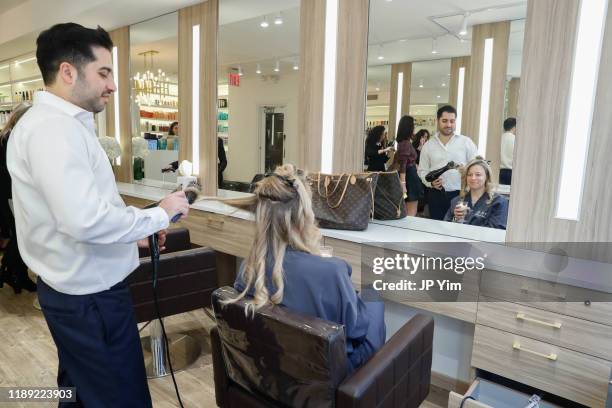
{"x":464,"y":25}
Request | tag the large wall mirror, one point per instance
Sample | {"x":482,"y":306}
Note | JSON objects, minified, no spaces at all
{"x":423,"y":56}
{"x":154,"y":100}
{"x":258,"y":77}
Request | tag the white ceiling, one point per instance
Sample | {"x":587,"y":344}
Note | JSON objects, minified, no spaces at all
{"x":403,"y":31}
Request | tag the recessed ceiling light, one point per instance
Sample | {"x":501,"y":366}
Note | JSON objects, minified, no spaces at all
{"x":278,"y":20}
{"x":378,"y":89}
{"x":264,"y":23}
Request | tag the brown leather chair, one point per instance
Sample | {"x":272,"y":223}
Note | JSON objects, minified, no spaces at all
{"x":279,"y":358}
{"x":187,"y":277}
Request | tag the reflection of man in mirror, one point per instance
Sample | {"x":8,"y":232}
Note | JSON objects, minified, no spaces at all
{"x":507,"y":149}
{"x":443,"y":147}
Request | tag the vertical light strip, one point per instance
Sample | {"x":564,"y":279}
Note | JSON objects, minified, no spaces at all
{"x":116,"y":101}
{"x":485,"y":97}
{"x":195,"y":99}
{"x":329,"y":86}
{"x":398,"y":106}
{"x":587,"y":54}
{"x":460,"y":86}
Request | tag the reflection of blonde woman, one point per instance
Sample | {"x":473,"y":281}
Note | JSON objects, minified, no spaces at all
{"x":283,"y":266}
{"x":477,"y":204}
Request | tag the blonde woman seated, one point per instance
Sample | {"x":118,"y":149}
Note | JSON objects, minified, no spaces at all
{"x":476,"y":203}
{"x":284,"y":266}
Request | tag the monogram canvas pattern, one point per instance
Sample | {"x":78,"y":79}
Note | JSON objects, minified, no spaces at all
{"x":388,"y":197}
{"x":343,"y":201}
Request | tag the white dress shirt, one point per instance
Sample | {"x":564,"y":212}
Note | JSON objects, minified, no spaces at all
{"x":507,"y":150}
{"x":73,"y":228}
{"x":435,"y":155}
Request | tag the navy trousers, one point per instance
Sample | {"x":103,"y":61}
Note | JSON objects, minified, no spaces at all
{"x":439,"y":202}
{"x":98,"y":346}
{"x":505,"y":176}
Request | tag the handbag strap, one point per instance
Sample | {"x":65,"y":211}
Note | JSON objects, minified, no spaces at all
{"x":327,"y":193}
{"x":348,"y":179}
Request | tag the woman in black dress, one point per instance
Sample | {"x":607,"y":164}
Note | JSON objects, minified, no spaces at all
{"x":376,"y":153}
{"x":406,"y":159}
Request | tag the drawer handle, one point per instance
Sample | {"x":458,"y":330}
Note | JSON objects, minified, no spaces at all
{"x":521,"y":316}
{"x":215,"y":224}
{"x":551,"y":356}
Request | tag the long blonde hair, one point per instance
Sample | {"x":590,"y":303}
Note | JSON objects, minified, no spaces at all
{"x":283,"y":218}
{"x":13,"y":119}
{"x":480,"y":161}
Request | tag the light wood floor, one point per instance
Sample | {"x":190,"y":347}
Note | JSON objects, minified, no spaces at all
{"x":28,"y":356}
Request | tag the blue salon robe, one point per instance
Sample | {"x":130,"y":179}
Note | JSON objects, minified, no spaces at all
{"x":492,"y":215}
{"x":322,"y":287}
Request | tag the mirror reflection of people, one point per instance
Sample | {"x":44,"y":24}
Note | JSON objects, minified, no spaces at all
{"x":418,"y":141}
{"x":443,"y":147}
{"x":74,"y":229}
{"x":171,"y":167}
{"x":477,"y":204}
{"x":507,"y":151}
{"x":221,"y":162}
{"x":406,"y":159}
{"x":376,"y":150}
{"x":285,"y":267}
{"x":14,"y":271}
{"x":174,"y":129}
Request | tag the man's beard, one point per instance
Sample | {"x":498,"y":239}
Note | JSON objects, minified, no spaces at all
{"x":86,"y":100}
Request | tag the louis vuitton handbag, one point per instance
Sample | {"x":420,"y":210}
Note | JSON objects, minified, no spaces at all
{"x":343,"y":201}
{"x":389,"y":197}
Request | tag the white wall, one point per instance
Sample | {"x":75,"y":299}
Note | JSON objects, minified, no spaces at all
{"x":243,"y":156}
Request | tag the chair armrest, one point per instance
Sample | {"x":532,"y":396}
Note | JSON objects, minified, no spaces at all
{"x":400,"y":370}
{"x":220,"y":377}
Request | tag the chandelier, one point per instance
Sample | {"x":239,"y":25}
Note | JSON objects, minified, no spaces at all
{"x":150,"y":85}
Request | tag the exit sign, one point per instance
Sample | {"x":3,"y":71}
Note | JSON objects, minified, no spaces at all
{"x":234,"y":79}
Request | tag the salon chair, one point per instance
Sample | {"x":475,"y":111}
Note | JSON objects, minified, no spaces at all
{"x":278,"y":358}
{"x":187,"y":276}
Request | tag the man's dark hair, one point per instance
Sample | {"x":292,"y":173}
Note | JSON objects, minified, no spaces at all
{"x":68,"y":42}
{"x":509,"y":124}
{"x":446,"y":108}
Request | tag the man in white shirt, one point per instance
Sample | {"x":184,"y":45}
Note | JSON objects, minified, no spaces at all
{"x":74,"y":230}
{"x":507,"y":151}
{"x":443,"y":147}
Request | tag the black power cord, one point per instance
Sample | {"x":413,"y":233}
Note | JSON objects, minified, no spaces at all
{"x":154,"y":248}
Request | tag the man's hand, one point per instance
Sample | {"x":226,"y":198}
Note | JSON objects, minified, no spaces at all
{"x":437,"y":184}
{"x":161,"y":240}
{"x":175,"y":203}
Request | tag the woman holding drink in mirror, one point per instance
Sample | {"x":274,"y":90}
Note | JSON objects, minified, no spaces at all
{"x":476,"y":203}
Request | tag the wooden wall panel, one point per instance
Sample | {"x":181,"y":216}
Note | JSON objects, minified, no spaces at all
{"x":310,"y":104}
{"x":456,"y":63}
{"x":513,"y":97}
{"x":549,"y":52}
{"x":205,"y":14}
{"x":543,"y":107}
{"x":500,"y":32}
{"x":121,"y":39}
{"x":185,"y":83}
{"x":406,"y":69}
{"x":351,"y":85}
